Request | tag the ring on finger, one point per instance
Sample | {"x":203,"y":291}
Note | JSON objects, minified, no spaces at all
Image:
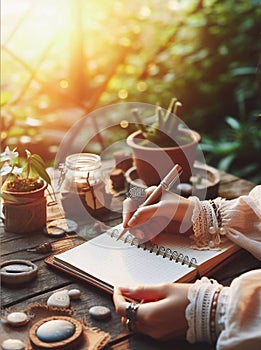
{"x":130,"y":325}
{"x":131,"y":312}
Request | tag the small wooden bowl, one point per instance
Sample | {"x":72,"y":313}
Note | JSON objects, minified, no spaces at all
{"x":17,"y":277}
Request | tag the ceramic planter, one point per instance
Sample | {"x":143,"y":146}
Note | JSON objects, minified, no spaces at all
{"x":28,"y":214}
{"x":153,"y":163}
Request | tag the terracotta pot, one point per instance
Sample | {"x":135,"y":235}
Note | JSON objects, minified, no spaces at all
{"x":153,"y":163}
{"x":28,"y":214}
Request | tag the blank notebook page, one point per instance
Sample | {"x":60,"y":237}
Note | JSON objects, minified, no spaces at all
{"x":117,"y":263}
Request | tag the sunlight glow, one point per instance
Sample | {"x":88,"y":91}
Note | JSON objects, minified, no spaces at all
{"x":177,"y":5}
{"x":39,"y":21}
{"x":145,"y":12}
{"x":123,"y":94}
{"x":75,"y":46}
{"x":124,"y":124}
{"x":142,"y":86}
{"x":64,"y":84}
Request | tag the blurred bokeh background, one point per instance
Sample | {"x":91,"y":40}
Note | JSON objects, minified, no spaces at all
{"x":63,"y":59}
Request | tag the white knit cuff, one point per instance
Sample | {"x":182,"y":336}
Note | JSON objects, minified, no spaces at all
{"x":201,"y":311}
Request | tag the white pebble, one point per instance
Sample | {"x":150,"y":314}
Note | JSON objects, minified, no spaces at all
{"x":74,"y":294}
{"x":17,"y":319}
{"x":13,"y":344}
{"x":59,"y":299}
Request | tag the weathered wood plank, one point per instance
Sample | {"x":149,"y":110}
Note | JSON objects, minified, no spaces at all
{"x":138,"y":342}
{"x":14,"y":246}
{"x":113,"y":326}
{"x":242,"y":263}
{"x":46,"y":280}
{"x":90,"y":296}
{"x":231,"y":186}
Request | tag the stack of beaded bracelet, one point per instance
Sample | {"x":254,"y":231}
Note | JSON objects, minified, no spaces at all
{"x":208,"y":223}
{"x":217,"y":213}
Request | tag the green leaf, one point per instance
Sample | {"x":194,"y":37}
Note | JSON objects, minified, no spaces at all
{"x":25,"y":169}
{"x":208,"y":147}
{"x":39,"y":159}
{"x":243,"y":71}
{"x":221,"y":148}
{"x":40,"y":170}
{"x":225,"y":163}
{"x":227,"y":147}
{"x":138,"y":121}
{"x":11,"y":199}
{"x":233,"y":123}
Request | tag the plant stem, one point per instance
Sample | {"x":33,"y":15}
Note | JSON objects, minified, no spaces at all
{"x":138,"y":120}
{"x":170,"y":109}
{"x":159,"y":117}
{"x":177,"y":104}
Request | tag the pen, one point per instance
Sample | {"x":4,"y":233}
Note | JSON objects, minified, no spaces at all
{"x":168,"y":181}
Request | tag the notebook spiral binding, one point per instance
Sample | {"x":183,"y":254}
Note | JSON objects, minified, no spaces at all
{"x":165,"y":252}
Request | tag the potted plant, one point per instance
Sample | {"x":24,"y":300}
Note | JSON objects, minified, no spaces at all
{"x":23,"y":191}
{"x":158,"y":146}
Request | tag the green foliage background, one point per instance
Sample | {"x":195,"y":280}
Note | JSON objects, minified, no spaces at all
{"x":204,"y":52}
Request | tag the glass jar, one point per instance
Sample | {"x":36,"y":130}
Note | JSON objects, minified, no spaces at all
{"x":83,"y":192}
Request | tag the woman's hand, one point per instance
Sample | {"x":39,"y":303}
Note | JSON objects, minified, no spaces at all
{"x":171,"y":213}
{"x":162,"y":313}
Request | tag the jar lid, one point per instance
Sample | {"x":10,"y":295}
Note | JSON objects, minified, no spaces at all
{"x":88,"y":161}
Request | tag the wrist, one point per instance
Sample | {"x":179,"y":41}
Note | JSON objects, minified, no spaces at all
{"x":184,"y":217}
{"x":189,"y":207}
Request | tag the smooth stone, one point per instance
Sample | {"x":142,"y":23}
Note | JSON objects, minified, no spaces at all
{"x":13,"y":344}
{"x":61,"y":226}
{"x":185,"y":189}
{"x":59,"y":299}
{"x":17,"y":268}
{"x":17,"y":319}
{"x":74,"y":293}
{"x":100,"y":312}
{"x":55,"y":331}
{"x":56,"y":232}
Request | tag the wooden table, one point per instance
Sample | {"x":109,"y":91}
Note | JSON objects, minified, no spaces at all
{"x":49,"y":280}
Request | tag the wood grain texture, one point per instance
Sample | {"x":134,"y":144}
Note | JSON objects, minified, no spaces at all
{"x":49,"y":280}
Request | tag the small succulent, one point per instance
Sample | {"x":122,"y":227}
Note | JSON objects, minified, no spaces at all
{"x":22,"y":175}
{"x":165,"y":130}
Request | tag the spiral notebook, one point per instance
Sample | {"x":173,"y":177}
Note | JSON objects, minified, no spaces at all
{"x":107,"y":262}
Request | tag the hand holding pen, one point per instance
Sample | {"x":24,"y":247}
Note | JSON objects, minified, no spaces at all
{"x":169,"y":180}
